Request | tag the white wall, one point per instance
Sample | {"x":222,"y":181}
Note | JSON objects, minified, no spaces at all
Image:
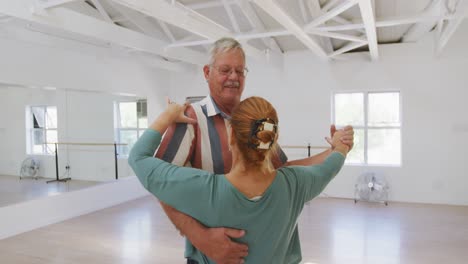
{"x":433,"y":93}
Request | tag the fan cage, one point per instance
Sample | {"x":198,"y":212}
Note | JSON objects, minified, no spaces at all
{"x":371,"y":187}
{"x":29,"y":168}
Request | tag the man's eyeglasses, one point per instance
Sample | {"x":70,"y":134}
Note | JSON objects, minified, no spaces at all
{"x":226,"y":70}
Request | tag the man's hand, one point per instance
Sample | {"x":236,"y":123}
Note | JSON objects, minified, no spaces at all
{"x":216,"y":243}
{"x":347,"y":138}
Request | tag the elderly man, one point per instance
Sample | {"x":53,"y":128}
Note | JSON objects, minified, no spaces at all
{"x":205,"y":146}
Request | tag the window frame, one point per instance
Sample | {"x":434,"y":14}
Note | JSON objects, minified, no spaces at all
{"x":31,"y":131}
{"x":117,"y":123}
{"x":366,"y":127}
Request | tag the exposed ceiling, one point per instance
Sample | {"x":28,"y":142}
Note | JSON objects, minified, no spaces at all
{"x":174,"y":32}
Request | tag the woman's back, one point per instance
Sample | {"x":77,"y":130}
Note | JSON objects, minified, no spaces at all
{"x":270,"y":222}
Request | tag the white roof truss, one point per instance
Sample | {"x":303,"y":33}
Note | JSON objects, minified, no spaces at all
{"x":446,"y":33}
{"x":257,"y":24}
{"x":275,"y":11}
{"x":448,"y":28}
{"x":346,"y":48}
{"x":45,"y":4}
{"x":77,"y":23}
{"x":231,"y":16}
{"x":102,"y":11}
{"x":315,"y":11}
{"x":368,"y":17}
{"x":137,"y":19}
{"x":330,"y":14}
{"x":181,"y":16}
{"x":392,"y":21}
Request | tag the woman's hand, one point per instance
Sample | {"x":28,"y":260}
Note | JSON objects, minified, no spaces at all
{"x":174,"y":113}
{"x":337,"y":141}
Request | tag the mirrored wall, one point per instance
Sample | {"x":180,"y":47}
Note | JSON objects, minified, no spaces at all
{"x":56,"y":140}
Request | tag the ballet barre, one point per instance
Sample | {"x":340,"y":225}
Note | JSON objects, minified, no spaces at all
{"x":308,"y":147}
{"x":57,"y":177}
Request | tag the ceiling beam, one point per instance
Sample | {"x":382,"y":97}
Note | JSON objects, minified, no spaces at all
{"x":257,"y":24}
{"x":275,"y":11}
{"x":338,"y":19}
{"x":346,"y":48}
{"x":368,"y":17}
{"x":45,"y":4}
{"x":315,"y":11}
{"x":102,"y":11}
{"x":392,"y":21}
{"x":338,"y":36}
{"x":167,"y":31}
{"x":330,"y":4}
{"x":74,"y":22}
{"x":135,"y":18}
{"x":459,"y":8}
{"x":209,"y":4}
{"x":231,"y":16}
{"x":330,"y":14}
{"x":255,"y":35}
{"x":416,"y":31}
{"x":189,"y":20}
{"x":117,"y":19}
{"x":446,"y":34}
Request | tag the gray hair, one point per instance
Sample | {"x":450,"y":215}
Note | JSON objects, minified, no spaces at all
{"x":223,"y":45}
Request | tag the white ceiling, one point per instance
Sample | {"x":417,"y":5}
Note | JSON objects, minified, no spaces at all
{"x":180,"y":31}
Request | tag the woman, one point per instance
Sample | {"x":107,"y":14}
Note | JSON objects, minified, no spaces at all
{"x":252,"y":196}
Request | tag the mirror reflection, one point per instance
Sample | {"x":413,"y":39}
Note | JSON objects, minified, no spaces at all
{"x":57,"y":140}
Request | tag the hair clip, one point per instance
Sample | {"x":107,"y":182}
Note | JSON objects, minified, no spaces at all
{"x":266,"y":124}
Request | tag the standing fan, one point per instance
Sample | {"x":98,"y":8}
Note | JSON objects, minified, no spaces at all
{"x":29,"y":168}
{"x":372,"y":188}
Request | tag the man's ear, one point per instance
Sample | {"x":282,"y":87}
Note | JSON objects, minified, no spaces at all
{"x":206,"y":71}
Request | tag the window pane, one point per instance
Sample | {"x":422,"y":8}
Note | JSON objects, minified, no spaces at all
{"x":384,"y":146}
{"x":128,"y":114}
{"x":51,"y":117}
{"x":38,"y":138}
{"x":143,"y":122}
{"x":142,"y":114}
{"x":349,"y":109}
{"x":51,"y":138}
{"x":38,"y":117}
{"x":384,"y":109}
{"x":129,"y":138}
{"x":38,"y":141}
{"x":356,"y":155}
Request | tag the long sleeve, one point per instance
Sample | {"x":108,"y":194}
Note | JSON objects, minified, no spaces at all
{"x":186,"y":189}
{"x":178,"y":142}
{"x":310,"y":181}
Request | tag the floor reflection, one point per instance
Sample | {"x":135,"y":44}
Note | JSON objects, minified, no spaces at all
{"x":13,"y":190}
{"x":362,"y":239}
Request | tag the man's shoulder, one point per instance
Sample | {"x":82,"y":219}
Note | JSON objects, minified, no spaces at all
{"x":203,"y":102}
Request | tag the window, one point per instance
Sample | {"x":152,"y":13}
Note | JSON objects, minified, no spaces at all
{"x":131,"y":122}
{"x":42,"y":129}
{"x":376,"y":118}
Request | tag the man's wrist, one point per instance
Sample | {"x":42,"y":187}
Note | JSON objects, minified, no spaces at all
{"x":343,"y":149}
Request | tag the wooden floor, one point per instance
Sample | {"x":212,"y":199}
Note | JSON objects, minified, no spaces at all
{"x":13,"y":190}
{"x":332,"y":231}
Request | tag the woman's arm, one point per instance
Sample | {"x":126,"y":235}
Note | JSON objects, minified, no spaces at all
{"x":312,"y":180}
{"x":172,"y":184}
